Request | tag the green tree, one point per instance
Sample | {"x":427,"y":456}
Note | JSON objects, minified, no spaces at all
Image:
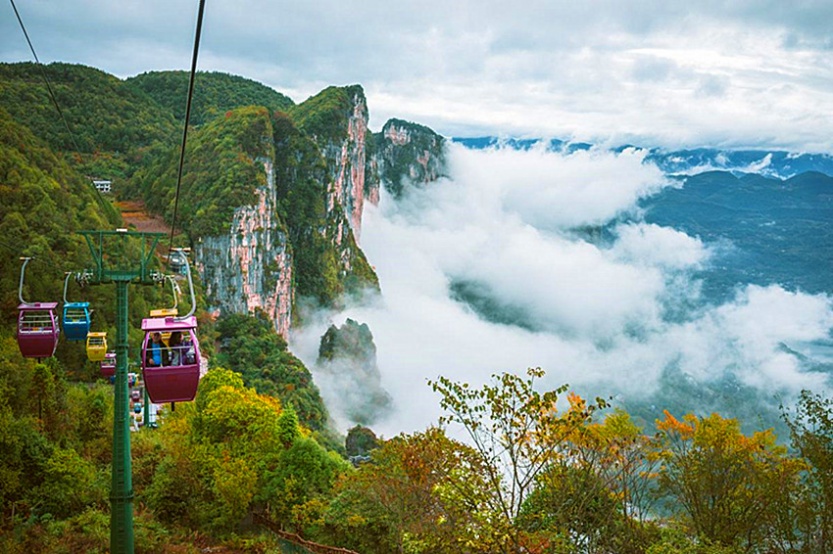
{"x":413,"y":496}
{"x":298,"y":481}
{"x":811,"y":433}
{"x":518,"y":433}
{"x":727,"y":485}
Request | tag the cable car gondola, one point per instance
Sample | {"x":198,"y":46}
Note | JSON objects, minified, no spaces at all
{"x":171,"y":372}
{"x":76,"y":317}
{"x":108,"y":365}
{"x":96,"y":346}
{"x":171,"y":367}
{"x":37,"y":325}
{"x":177,"y":262}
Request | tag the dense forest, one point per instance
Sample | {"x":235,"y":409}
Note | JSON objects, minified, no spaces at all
{"x":254,"y":463}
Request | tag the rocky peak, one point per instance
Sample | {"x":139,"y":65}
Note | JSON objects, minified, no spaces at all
{"x":408,"y":153}
{"x":352,"y":383}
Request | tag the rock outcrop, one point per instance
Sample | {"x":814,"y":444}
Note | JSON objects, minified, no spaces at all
{"x":408,"y":153}
{"x":352,"y":383}
{"x":250,"y":268}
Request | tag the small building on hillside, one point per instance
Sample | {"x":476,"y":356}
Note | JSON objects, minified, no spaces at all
{"x":102,"y":186}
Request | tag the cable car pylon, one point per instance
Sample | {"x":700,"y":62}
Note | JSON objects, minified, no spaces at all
{"x":113,"y":267}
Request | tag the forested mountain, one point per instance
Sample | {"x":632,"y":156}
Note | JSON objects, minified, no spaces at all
{"x":779,"y":228}
{"x":44,"y":201}
{"x":107,"y":127}
{"x":214,"y":93}
{"x":271,"y":201}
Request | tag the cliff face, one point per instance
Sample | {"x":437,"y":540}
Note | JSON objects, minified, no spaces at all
{"x":295,"y":232}
{"x":408,"y":153}
{"x":349,"y":162}
{"x":250,"y":268}
{"x":333,"y":129}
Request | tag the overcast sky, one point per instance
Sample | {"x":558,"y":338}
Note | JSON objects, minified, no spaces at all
{"x":672,"y":73}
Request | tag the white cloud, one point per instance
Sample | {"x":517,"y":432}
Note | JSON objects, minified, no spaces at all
{"x":640,"y":244}
{"x":598,"y":312}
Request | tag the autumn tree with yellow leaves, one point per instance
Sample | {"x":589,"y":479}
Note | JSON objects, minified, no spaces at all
{"x":730,"y":488}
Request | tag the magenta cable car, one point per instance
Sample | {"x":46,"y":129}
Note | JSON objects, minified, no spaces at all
{"x":37,"y":329}
{"x":171,"y":371}
{"x":37,"y":324}
{"x":108,"y":365}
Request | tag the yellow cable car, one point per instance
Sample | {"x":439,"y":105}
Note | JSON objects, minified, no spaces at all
{"x":96,"y":346}
{"x":164,"y":312}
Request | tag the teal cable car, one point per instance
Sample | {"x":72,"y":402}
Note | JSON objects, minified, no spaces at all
{"x":76,"y":317}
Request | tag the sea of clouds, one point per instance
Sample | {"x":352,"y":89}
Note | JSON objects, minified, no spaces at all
{"x":610,"y":317}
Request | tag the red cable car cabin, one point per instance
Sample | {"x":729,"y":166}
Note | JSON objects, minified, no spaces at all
{"x":37,"y":329}
{"x":171,"y":371}
{"x":108,"y":365}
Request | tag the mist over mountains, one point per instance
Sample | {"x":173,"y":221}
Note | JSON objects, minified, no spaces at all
{"x":649,"y":276}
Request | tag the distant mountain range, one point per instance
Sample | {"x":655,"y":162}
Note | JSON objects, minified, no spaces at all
{"x":776,"y":231}
{"x":771,"y":212}
{"x":770,"y":163}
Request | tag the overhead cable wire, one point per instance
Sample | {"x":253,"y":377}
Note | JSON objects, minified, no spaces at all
{"x":187,"y":119}
{"x":49,"y":88}
{"x":45,"y":77}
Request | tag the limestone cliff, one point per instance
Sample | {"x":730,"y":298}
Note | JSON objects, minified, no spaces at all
{"x":408,"y":153}
{"x":250,"y":268}
{"x":334,"y":123}
{"x":348,"y":178}
{"x":273,"y":201}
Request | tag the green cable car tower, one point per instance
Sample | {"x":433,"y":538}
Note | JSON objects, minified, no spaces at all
{"x":114,"y":254}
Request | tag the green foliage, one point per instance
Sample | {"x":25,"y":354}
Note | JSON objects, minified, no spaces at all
{"x":253,"y":349}
{"x":214,"y":93}
{"x":109,"y":122}
{"x":44,"y":203}
{"x":213,"y":380}
{"x":288,"y":430}
{"x":414,"y":496}
{"x":728,"y":485}
{"x":300,"y":482}
{"x":811,"y":434}
{"x":70,"y":484}
{"x":230,"y":449}
{"x":212,"y":455}
{"x":223,"y":168}
{"x":673,"y":541}
{"x":324,"y":116}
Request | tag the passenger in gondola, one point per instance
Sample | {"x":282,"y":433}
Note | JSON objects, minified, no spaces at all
{"x":188,"y":349}
{"x":175,"y":345}
{"x":157,"y":352}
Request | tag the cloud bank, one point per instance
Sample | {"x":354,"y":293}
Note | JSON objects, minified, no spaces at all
{"x":610,"y":316}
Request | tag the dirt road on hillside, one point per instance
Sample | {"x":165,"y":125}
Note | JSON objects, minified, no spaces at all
{"x":134,"y":213}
